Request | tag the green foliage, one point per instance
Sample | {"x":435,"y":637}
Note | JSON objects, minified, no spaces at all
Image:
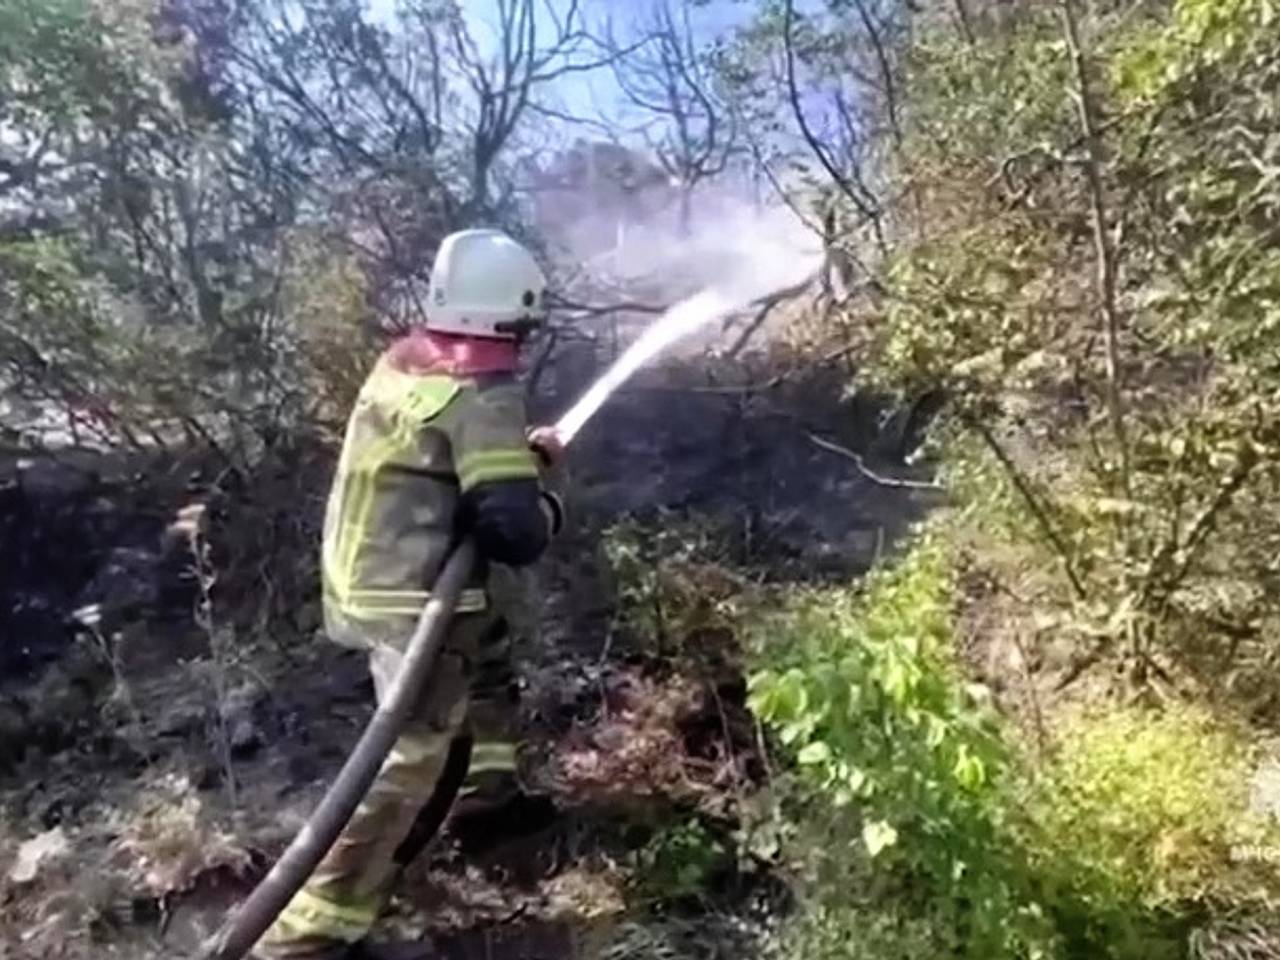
{"x":88,"y":361}
{"x":978,"y":294}
{"x":239,"y":189}
{"x":914,"y":824}
{"x":672,"y":586}
{"x":905,"y":755}
{"x":1139,"y":454}
{"x":858,"y":931}
{"x":679,"y":862}
{"x":973,"y":100}
{"x":1198,"y":34}
{"x":47,"y":48}
{"x":1132,"y":824}
{"x":1085,"y":260}
{"x":324,"y":298}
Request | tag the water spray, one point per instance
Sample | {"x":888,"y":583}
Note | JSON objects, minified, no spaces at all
{"x":679,"y":321}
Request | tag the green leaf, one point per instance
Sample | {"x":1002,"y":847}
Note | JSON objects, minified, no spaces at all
{"x":791,"y":698}
{"x":857,"y":780}
{"x":969,"y":771}
{"x":936,"y":731}
{"x":814,"y":754}
{"x":878,"y":835}
{"x":1115,"y":506}
{"x":896,"y":681}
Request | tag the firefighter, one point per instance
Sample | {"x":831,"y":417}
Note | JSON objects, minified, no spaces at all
{"x":436,"y":448}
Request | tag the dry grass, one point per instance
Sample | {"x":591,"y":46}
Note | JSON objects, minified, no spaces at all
{"x":112,"y":865}
{"x":636,"y":751}
{"x":170,"y":841}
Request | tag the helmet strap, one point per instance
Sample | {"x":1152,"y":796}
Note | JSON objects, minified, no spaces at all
{"x":520,"y":329}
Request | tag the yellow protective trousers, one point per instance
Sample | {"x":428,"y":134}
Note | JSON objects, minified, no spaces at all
{"x":468,"y":692}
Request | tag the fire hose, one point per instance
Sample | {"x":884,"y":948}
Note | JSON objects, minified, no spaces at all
{"x":313,"y":841}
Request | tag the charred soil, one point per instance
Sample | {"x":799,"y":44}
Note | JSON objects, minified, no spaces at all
{"x":154,"y":760}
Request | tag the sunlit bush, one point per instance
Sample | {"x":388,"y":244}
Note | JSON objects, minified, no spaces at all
{"x":1133,"y":823}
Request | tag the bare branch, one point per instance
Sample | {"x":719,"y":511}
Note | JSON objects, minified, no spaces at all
{"x":591,"y":310}
{"x":667,"y":79}
{"x":765,"y":168}
{"x":606,"y":129}
{"x":886,"y":69}
{"x":860,"y":463}
{"x":607,"y":60}
{"x":1105,"y":254}
{"x":869,"y":213}
{"x":1188,"y":550}
{"x":1038,"y":511}
{"x":766,"y":307}
{"x":966,"y":25}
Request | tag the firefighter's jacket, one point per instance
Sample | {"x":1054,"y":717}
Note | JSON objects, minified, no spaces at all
{"x":428,"y":457}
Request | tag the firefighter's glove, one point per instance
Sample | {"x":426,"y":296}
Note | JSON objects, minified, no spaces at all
{"x":546,"y":443}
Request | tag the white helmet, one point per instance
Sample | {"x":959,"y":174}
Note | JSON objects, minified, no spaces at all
{"x":484,"y":284}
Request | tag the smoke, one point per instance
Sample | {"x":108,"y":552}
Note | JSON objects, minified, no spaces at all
{"x":740,"y":250}
{"x":744,"y":255}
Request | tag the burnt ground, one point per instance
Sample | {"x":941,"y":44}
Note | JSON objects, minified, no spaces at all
{"x":151,"y":766}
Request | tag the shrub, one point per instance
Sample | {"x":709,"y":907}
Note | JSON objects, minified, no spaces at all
{"x":679,"y":862}
{"x":672,"y":587}
{"x":912,"y":822}
{"x":902,"y":767}
{"x":1134,"y":820}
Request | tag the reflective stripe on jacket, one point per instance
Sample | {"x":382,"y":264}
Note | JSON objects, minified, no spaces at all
{"x":416,"y":443}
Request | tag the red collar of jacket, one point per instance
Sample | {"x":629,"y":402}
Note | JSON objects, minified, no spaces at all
{"x":426,"y":351}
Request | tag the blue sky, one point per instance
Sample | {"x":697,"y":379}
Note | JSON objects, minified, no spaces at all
{"x":595,"y":95}
{"x":588,"y":94}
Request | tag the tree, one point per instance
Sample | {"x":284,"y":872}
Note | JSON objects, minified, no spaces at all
{"x":172,"y":168}
{"x":1094,"y":290}
{"x":819,"y":96}
{"x":671,"y":80}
